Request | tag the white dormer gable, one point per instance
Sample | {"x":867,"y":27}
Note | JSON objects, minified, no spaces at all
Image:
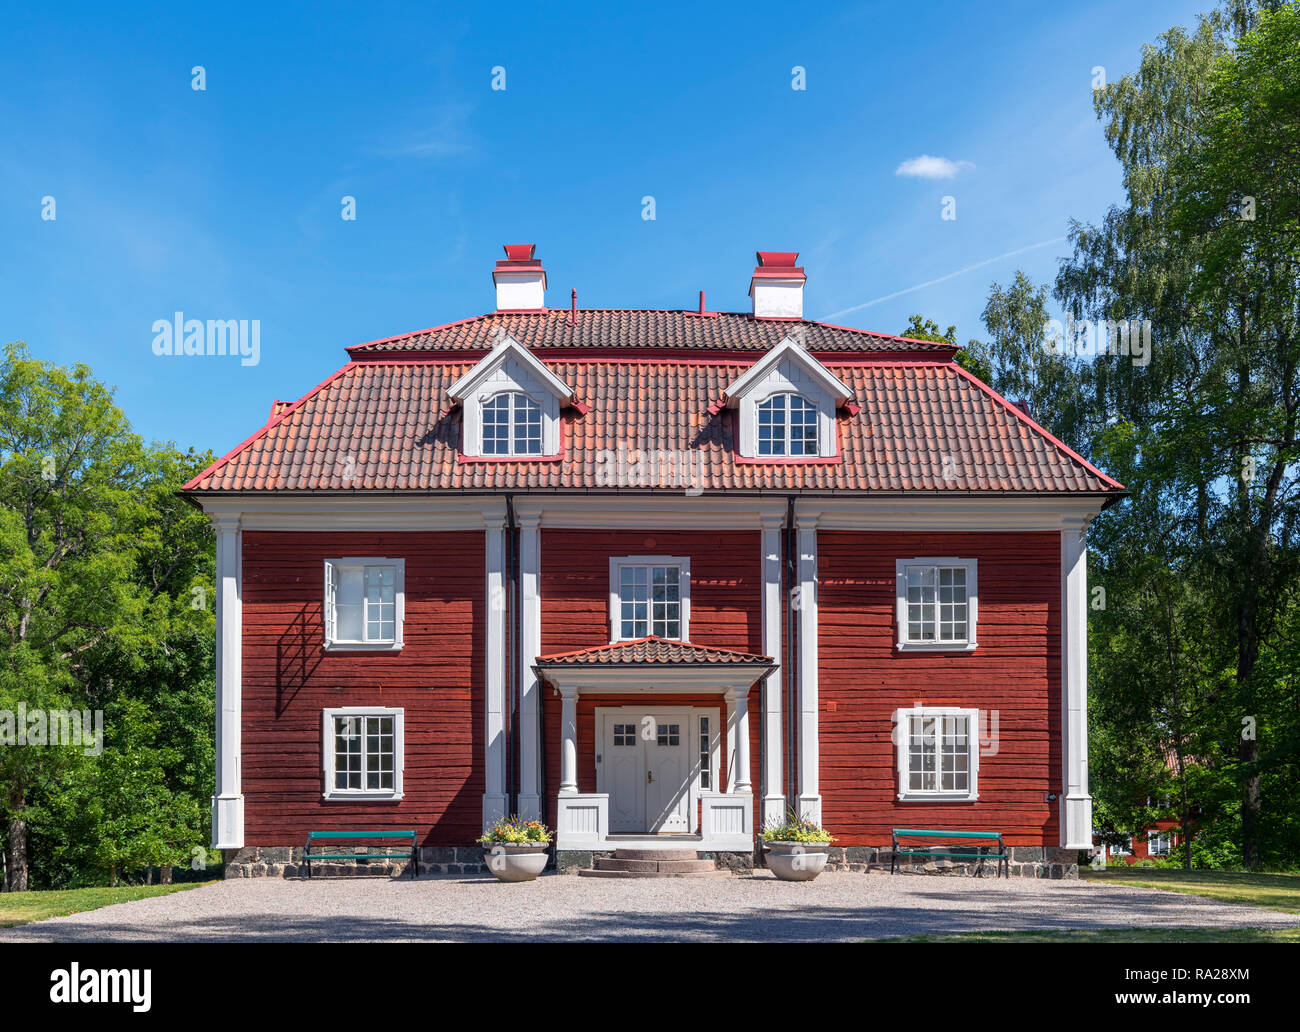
{"x":783,"y":395}
{"x":518,"y":392}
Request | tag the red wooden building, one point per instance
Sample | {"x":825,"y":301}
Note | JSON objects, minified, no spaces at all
{"x":657,"y":576}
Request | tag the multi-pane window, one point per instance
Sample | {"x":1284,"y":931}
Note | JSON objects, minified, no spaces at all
{"x":363,"y":752}
{"x":936,"y":603}
{"x":1159,"y":843}
{"x":650,"y":600}
{"x":668,"y":734}
{"x":787,"y":425}
{"x":363,"y":602}
{"x":706,"y":756}
{"x":1123,"y":848}
{"x":512,"y":425}
{"x":937,"y":753}
{"x":625,"y":734}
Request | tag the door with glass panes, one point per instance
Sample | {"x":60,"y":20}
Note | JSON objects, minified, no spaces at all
{"x":652,"y":762}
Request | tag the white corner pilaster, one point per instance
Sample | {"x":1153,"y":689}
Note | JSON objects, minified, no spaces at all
{"x":1076,"y":804}
{"x":494,"y":736}
{"x":773,"y":787}
{"x":810,"y":800}
{"x":530,"y":645}
{"x":568,"y":740}
{"x":228,"y":803}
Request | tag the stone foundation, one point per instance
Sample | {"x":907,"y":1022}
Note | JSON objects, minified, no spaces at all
{"x":287,"y":862}
{"x":1025,"y":862}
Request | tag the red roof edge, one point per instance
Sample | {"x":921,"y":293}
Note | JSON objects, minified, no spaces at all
{"x":557,"y":656}
{"x":1021,"y":415}
{"x":274,"y":421}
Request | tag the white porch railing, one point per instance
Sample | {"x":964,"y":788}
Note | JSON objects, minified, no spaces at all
{"x":726,"y":824}
{"x":727,"y":820}
{"x":583,"y":821}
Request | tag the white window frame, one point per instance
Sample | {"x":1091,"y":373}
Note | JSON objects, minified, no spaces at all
{"x":399,"y":609}
{"x":1121,"y":850}
{"x":399,"y":751}
{"x":902,"y":742}
{"x":1167,"y":837}
{"x":784,"y":396}
{"x":971,"y":567}
{"x":616,"y":565}
{"x":543,"y":426}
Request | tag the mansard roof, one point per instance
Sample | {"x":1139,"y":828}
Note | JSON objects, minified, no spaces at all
{"x":648,"y":416}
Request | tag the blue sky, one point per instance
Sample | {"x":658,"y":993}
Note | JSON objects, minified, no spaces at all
{"x":225,"y":203}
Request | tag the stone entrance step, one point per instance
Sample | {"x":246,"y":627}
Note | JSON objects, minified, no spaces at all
{"x":653,"y":863}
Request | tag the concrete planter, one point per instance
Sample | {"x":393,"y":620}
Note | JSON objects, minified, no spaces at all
{"x":516,"y":861}
{"x":796,"y":861}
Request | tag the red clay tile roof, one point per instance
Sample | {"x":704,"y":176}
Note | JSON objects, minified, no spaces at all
{"x":652,"y":650}
{"x":627,"y":328}
{"x":385,"y":424}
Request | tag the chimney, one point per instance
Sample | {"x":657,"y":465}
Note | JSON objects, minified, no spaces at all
{"x":777,"y":286}
{"x":520,"y":280}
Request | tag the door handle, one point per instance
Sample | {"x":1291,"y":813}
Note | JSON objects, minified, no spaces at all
{"x":649,"y":776}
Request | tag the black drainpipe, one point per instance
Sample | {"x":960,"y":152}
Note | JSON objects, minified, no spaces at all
{"x":512,"y":659}
{"x":790,"y":660}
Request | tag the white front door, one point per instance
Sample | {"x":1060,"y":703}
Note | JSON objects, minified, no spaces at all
{"x":647,"y":766}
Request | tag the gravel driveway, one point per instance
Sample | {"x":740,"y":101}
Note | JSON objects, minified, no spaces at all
{"x":834,"y":907}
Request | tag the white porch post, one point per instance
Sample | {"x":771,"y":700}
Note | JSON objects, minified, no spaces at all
{"x":1076,"y":806}
{"x":773,"y":741}
{"x":530,"y":645}
{"x":810,"y":800}
{"x":228,"y":803}
{"x":494,"y":737}
{"x":741,"y":781}
{"x":569,"y":740}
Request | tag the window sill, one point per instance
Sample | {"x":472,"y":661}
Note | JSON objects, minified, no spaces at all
{"x":936,"y":646}
{"x":361,"y":646}
{"x":938,"y":797}
{"x":365,"y":797}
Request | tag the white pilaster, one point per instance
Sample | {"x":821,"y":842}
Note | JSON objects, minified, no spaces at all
{"x":494,"y":736}
{"x":1076,"y":804}
{"x":742,"y":782}
{"x":730,"y":743}
{"x":810,"y":800}
{"x":568,"y":740}
{"x":228,"y":803}
{"x":530,"y":645}
{"x":773,"y":718}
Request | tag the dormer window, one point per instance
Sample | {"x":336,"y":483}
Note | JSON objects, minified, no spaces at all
{"x":787,"y":425}
{"x":786,"y":406}
{"x":510,"y":406}
{"x":512,"y":425}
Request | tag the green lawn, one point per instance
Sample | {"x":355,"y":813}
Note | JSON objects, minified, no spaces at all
{"x":1273,"y":891}
{"x":18,"y":908}
{"x":1122,"y":935}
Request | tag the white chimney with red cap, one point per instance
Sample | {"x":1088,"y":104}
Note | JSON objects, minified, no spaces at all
{"x":777,"y":286}
{"x":520,"y":280}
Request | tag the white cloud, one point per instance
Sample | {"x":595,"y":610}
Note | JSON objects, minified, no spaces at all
{"x":927,"y":167}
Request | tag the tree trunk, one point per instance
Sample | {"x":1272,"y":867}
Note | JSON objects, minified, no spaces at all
{"x":166,"y":875}
{"x":17,"y":860}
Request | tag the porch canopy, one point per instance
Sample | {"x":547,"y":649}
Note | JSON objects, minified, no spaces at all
{"x":658,"y":666}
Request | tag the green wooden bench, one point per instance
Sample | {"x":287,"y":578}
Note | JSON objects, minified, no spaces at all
{"x":327,"y":838}
{"x":975,"y":853}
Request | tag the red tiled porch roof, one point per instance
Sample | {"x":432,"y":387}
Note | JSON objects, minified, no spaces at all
{"x":653,"y":649}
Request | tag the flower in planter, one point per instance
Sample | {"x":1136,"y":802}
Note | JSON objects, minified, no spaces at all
{"x":797,"y":828}
{"x":516,"y":831}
